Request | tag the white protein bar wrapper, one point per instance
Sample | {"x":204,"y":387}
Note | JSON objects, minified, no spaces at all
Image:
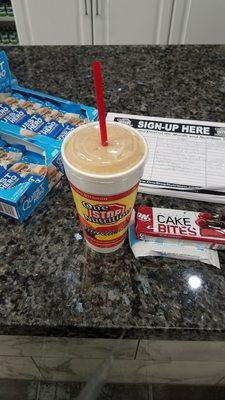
{"x":172,"y":248}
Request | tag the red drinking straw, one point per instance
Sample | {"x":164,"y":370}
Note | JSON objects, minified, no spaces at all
{"x":97,"y":71}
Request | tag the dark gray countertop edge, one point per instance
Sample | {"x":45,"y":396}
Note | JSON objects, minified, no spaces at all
{"x":116,"y":333}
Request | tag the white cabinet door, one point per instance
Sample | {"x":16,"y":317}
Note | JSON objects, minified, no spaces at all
{"x":198,"y":22}
{"x":131,"y":21}
{"x":52,"y":22}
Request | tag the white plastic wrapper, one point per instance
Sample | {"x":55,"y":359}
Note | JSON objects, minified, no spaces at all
{"x":172,"y":248}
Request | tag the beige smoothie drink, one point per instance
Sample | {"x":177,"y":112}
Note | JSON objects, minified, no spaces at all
{"x":104,"y":180}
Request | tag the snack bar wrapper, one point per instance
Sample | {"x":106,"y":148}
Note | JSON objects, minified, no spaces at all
{"x":172,"y":248}
{"x":205,"y":227}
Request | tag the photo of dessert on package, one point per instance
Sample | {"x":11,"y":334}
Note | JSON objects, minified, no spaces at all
{"x":211,"y":224}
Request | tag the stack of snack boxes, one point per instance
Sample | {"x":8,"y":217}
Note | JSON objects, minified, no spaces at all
{"x":32,"y":127}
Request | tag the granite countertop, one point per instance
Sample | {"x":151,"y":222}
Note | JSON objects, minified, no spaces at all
{"x":50,"y":283}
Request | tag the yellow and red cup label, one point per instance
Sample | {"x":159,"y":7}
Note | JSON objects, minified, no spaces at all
{"x":104,"y":219}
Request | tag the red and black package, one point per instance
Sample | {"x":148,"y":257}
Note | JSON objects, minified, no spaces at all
{"x":181,"y":224}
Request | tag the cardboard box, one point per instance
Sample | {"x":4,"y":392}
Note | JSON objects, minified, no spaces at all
{"x":25,"y":182}
{"x":21,"y":193}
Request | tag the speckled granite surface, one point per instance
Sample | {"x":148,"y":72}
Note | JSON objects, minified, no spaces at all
{"x":49,"y":283}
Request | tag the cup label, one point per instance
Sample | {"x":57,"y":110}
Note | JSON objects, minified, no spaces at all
{"x":104,"y":218}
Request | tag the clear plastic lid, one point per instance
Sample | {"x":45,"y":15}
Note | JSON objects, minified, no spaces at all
{"x":84,"y":150}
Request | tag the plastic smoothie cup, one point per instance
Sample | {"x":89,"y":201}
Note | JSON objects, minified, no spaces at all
{"x":104,"y":201}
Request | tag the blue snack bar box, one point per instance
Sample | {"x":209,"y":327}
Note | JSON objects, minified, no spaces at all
{"x":32,"y":127}
{"x":35,"y":171}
